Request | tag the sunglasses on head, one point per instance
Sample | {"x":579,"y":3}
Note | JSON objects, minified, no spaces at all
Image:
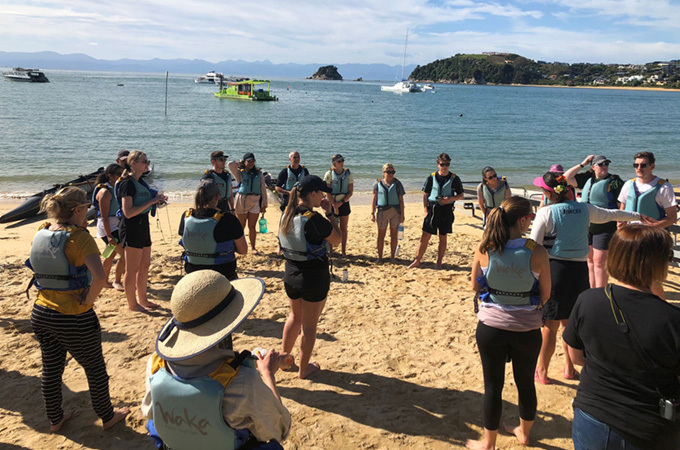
{"x":445,"y":164}
{"x":391,"y":172}
{"x":640,"y":165}
{"x":603,"y":164}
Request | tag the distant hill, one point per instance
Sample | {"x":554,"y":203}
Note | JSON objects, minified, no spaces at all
{"x":510,"y":68}
{"x":79,"y":61}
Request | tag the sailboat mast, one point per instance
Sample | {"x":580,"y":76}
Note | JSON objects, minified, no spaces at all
{"x":403,"y":59}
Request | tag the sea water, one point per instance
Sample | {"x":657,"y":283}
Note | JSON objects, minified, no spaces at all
{"x":50,"y":133}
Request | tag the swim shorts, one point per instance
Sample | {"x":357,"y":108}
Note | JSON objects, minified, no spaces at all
{"x":247,"y":204}
{"x":439,"y":219}
{"x":308,"y":281}
{"x":600,"y":241}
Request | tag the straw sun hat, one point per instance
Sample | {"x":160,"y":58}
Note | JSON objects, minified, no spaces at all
{"x":206,"y":308}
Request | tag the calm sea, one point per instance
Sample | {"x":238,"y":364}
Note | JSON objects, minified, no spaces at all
{"x":49,"y":133}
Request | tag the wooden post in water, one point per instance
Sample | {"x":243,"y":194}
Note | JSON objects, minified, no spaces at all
{"x":166,"y":92}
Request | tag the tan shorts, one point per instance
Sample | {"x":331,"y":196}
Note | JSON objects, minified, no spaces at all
{"x":247,"y":204}
{"x":388,"y":218}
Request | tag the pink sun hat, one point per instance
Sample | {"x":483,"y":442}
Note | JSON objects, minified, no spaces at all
{"x":538,"y":182}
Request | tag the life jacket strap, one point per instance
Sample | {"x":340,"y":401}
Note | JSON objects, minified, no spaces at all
{"x":491,"y":290}
{"x":206,"y":255}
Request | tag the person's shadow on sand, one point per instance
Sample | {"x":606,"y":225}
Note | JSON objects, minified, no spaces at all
{"x":399,"y":406}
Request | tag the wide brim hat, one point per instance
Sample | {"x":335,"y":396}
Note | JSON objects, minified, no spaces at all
{"x":206,"y":308}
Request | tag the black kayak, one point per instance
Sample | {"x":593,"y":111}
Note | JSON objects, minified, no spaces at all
{"x":31,"y":206}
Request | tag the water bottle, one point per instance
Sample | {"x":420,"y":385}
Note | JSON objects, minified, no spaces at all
{"x":400,"y":230}
{"x":396,"y":250}
{"x":263,"y":224}
{"x":108,"y":251}
{"x":344,"y":276}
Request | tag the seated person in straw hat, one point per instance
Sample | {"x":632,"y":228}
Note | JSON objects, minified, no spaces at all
{"x":200,"y":394}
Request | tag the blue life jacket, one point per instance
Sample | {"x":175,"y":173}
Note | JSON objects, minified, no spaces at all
{"x":187,"y":413}
{"x":571,"y":220}
{"x":143,"y":193}
{"x":250,"y":184}
{"x":294,"y":244}
{"x":199,"y":241}
{"x":493,"y":199}
{"x":509,"y":280}
{"x":339,"y":183}
{"x":441,"y":191}
{"x":598,"y":193}
{"x":292,"y":178}
{"x":222,"y":185}
{"x":645,"y":203}
{"x":113,"y":203}
{"x":388,"y":196}
{"x":48,"y":261}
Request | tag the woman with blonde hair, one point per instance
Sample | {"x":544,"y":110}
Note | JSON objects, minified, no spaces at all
{"x":304,"y":236}
{"x":511,"y":276}
{"x":388,"y":199}
{"x":69,"y":276}
{"x":136,"y":199}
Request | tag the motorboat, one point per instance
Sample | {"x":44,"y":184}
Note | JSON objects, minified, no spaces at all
{"x":246,"y":89}
{"x":428,"y":87}
{"x":401,"y":87}
{"x":211,"y":77}
{"x":26,"y":75}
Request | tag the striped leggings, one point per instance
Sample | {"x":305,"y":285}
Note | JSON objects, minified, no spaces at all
{"x":80,"y":335}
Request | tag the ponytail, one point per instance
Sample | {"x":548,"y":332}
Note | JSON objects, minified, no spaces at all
{"x":132,"y":157}
{"x":60,"y":206}
{"x":206,"y":192}
{"x":499,"y":222}
{"x":289,"y":213}
{"x":111,"y":169}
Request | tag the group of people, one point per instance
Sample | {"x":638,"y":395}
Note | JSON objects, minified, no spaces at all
{"x":526,"y":288}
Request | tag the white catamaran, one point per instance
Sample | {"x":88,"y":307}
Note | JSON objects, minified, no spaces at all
{"x":403,"y":86}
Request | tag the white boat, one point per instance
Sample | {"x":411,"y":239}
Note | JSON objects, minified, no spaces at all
{"x":26,"y":75}
{"x":404,"y":86}
{"x":428,"y":87}
{"x":211,"y":77}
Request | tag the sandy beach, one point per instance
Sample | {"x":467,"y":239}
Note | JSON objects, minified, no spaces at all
{"x":397,"y":347}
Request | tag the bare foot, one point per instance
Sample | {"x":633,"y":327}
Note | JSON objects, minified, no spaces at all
{"x":393,"y":260}
{"x":108,"y":285}
{"x":149,"y":305}
{"x":312,"y":368}
{"x":118,"y":416}
{"x":519,"y":434}
{"x":415,"y":264}
{"x":440,"y":266}
{"x":56,"y":427}
{"x":136,"y":308}
{"x":379,"y":261}
{"x":478,"y":445}
{"x":254,"y":251}
{"x":117,"y":285}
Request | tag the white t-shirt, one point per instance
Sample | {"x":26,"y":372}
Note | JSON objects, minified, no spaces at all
{"x":665,"y":197}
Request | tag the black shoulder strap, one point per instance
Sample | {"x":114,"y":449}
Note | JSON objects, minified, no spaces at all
{"x":239,"y":358}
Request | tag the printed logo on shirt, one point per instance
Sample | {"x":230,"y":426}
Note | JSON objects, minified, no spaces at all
{"x":183,"y":420}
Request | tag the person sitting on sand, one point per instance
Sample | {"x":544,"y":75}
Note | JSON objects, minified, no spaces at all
{"x":201,"y":395}
{"x":628,"y":340}
{"x":304,"y":237}
{"x":511,"y":275}
{"x":211,"y":238}
{"x":251,"y":197}
{"x":136,"y":199}
{"x":107,"y":208}
{"x":441,"y":190}
{"x":491,"y":191}
{"x":388,"y":198}
{"x":563,"y":226}
{"x":69,"y":277}
{"x":341,"y":182}
{"x":222,"y":178}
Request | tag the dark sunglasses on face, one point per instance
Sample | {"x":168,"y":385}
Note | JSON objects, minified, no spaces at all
{"x":602,"y":164}
{"x":220,"y":158}
{"x":340,"y":161}
{"x":391,"y":172}
{"x":641,"y":165}
{"x":145,"y":161}
{"x":491,"y":177}
{"x":444,"y":164}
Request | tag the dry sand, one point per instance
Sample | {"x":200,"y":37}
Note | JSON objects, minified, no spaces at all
{"x":397,"y":348}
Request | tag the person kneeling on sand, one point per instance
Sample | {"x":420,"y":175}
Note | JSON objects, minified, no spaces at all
{"x":192,"y":375}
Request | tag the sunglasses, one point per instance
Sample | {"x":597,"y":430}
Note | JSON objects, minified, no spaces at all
{"x":221,"y":158}
{"x":339,"y":161}
{"x":87,"y":205}
{"x":491,"y":177}
{"x":144,"y":161}
{"x":603,"y":164}
{"x":641,"y":165}
{"x":444,"y":164}
{"x":391,"y":172}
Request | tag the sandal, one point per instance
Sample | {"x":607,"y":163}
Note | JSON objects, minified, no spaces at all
{"x":540,"y":379}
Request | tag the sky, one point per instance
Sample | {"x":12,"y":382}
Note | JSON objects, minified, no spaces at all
{"x":345,"y":31}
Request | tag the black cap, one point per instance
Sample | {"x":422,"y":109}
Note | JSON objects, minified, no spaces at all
{"x":337,"y":157}
{"x":599,"y":159}
{"x":312,"y":183}
{"x":248,"y":156}
{"x":123,"y":154}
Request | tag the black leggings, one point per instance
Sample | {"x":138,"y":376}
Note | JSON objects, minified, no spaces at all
{"x":495,"y":346}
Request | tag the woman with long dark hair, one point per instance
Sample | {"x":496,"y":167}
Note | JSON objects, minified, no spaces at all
{"x":251,"y":196}
{"x":107,"y":207}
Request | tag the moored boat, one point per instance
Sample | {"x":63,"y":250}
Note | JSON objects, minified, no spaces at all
{"x":211,"y":77}
{"x":25,"y":75}
{"x":246,"y":89}
{"x":401,"y":87}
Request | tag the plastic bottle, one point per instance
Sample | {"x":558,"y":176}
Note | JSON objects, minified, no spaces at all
{"x":396,"y":250}
{"x":263,"y":224}
{"x":400,"y":230}
{"x":345,"y":276}
{"x":108,"y":251}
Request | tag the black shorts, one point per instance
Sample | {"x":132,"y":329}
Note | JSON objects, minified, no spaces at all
{"x":135,"y":232}
{"x":115,"y":235}
{"x":309,"y":280}
{"x":344,"y":210}
{"x":600,"y":241}
{"x":439,"y":219}
{"x":568,"y":280}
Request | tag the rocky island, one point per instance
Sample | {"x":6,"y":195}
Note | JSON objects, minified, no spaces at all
{"x":326,"y":73}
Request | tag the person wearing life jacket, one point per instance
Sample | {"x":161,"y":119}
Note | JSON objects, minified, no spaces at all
{"x":491,"y":191}
{"x":289,"y":176}
{"x":600,"y":189}
{"x":388,"y":199}
{"x":581,"y":179}
{"x":106,"y":205}
{"x":121,"y":157}
{"x":511,"y":276}
{"x":69,"y":276}
{"x":222,"y":178}
{"x":562,"y":228}
{"x":201,"y":394}
{"x":441,"y":189}
{"x":341,"y":182}
{"x":136,"y":199}
{"x":304,"y":236}
{"x":251,"y":197}
{"x":210,"y":237}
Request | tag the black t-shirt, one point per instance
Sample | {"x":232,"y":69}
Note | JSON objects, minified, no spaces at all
{"x":282,"y":179}
{"x":126,"y":188}
{"x":456,"y":184}
{"x":227,"y":229}
{"x":617,"y":385}
{"x":317,"y":228}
